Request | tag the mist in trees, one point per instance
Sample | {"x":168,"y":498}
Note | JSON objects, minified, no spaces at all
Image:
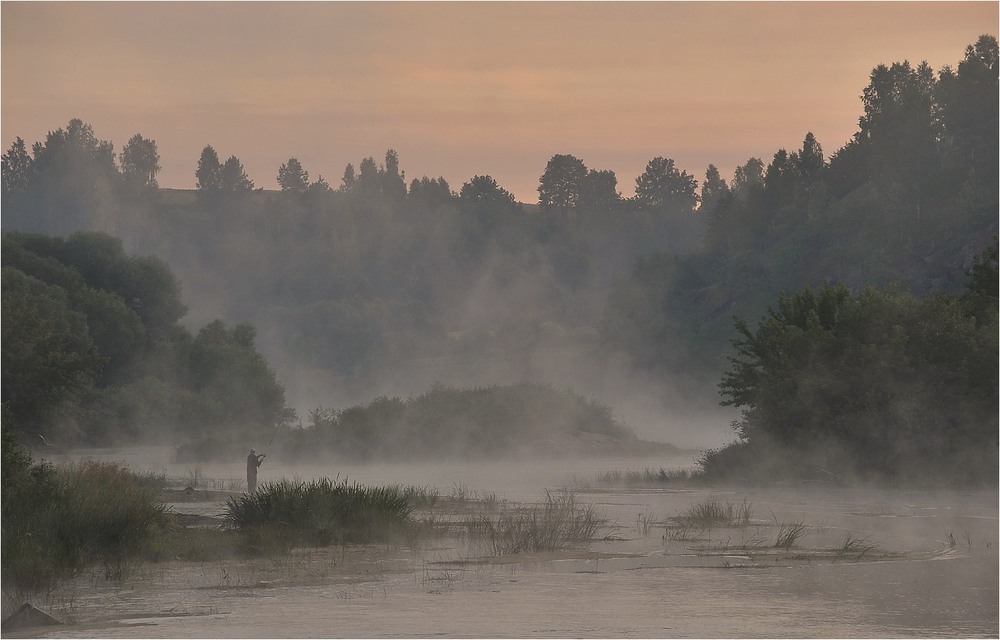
{"x":882,"y":383}
{"x":379,"y":286}
{"x":94,"y":352}
{"x":905,"y":201}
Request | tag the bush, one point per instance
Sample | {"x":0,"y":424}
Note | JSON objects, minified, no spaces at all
{"x":881,"y":384}
{"x":57,"y":521}
{"x":523,"y":418}
{"x":286,"y":514}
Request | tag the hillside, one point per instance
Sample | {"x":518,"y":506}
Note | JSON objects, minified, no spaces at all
{"x":378,"y":287}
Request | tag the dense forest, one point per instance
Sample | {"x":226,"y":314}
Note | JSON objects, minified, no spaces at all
{"x":380,"y":286}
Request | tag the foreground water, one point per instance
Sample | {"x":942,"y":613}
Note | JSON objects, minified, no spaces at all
{"x":932,"y":571}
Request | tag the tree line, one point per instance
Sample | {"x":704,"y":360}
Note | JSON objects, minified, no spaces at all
{"x":910,"y":199}
{"x":362,"y":280}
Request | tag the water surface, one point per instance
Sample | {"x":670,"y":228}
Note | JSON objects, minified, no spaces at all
{"x":934,"y":574}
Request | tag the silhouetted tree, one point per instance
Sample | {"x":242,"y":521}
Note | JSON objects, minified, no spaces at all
{"x":74,"y":148}
{"x":234,"y":178}
{"x":662,"y":185}
{"x":18,"y":168}
{"x":899,"y":129}
{"x":560,"y":186}
{"x":483,"y":195}
{"x":140,"y":163}
{"x":74,"y":181}
{"x":320,"y":186}
{"x":292,"y":177}
{"x":713,"y":190}
{"x":430,"y":192}
{"x":369,"y":182}
{"x":209,"y":171}
{"x":599,"y":191}
{"x":968,"y":105}
{"x":748,"y":176}
{"x":393,"y":181}
{"x":781,"y":180}
{"x":810,"y":159}
{"x":350,"y":179}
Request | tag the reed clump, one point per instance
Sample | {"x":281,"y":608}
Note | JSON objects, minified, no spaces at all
{"x":789,"y":534}
{"x":713,"y":512}
{"x":558,"y":522}
{"x":856,"y":547}
{"x":319,"y":513}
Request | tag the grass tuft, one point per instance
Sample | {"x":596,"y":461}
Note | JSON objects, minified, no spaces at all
{"x":713,"y":512}
{"x":789,"y":534}
{"x":320,"y":513}
{"x":550,"y":527}
{"x":854,"y":546}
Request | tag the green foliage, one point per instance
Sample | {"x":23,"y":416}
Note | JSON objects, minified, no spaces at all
{"x":235,"y":380}
{"x":146,"y":285}
{"x":885,"y":383}
{"x":318,"y":513}
{"x":980,"y":297}
{"x":373,"y":276}
{"x":56,"y":521}
{"x":48,"y":356}
{"x":93,"y":350}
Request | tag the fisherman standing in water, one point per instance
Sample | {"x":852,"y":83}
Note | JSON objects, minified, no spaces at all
{"x":253,"y":461}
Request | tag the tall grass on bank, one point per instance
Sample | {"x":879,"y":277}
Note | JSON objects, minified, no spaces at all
{"x":715,"y":513}
{"x":320,"y":513}
{"x":550,"y":527}
{"x":59,"y":520}
{"x":647,"y":477}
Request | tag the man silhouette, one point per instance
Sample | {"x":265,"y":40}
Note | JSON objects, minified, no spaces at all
{"x":253,"y":461}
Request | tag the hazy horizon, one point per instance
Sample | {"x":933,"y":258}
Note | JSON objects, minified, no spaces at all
{"x":461,"y":89}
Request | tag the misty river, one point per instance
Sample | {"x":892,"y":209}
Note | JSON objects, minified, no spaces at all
{"x":935,"y":571}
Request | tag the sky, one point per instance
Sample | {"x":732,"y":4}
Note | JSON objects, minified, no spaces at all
{"x":460,"y":89}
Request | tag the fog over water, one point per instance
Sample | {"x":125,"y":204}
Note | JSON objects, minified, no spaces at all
{"x":936,"y":575}
{"x":651,"y":405}
{"x":548,"y":319}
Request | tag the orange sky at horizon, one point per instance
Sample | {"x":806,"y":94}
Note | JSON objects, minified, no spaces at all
{"x":463,"y":88}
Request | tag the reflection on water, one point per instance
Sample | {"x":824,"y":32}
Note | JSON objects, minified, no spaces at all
{"x":939,"y":576}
